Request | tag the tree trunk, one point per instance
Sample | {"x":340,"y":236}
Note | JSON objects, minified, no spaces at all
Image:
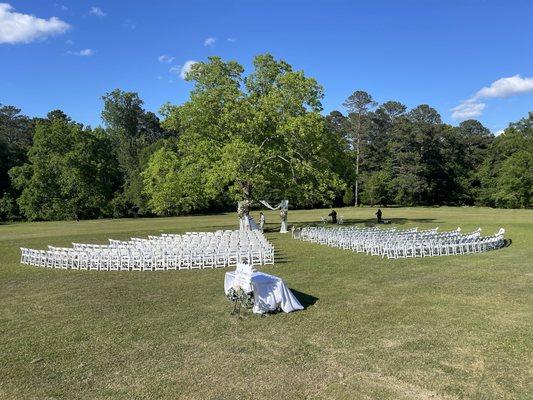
{"x":357,"y":180}
{"x":356,"y":194}
{"x":243,"y":207}
{"x":247,"y":190}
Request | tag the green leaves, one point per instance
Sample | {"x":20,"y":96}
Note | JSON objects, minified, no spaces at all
{"x":133,"y":131}
{"x":170,"y":188}
{"x":69,"y":173}
{"x":515,"y":181}
{"x":507,"y":174}
{"x":246,"y":299}
{"x":255,"y":137}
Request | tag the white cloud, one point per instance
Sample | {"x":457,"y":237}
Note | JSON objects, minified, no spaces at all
{"x":498,"y":133}
{"x":182,"y":70}
{"x":186,"y":68}
{"x":210,"y":41}
{"x":165,"y":59}
{"x":468,"y":109}
{"x":25,"y":28}
{"x":97,"y":11}
{"x":504,"y":87}
{"x":62,"y":6}
{"x":232,"y":40}
{"x":82,"y":53}
{"x":87,"y":52}
{"x":129,"y":24}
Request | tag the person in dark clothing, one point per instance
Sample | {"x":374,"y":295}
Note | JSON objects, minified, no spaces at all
{"x":333,"y":215}
{"x":379,"y":214}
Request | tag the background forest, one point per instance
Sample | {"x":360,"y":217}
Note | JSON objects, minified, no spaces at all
{"x":255,"y":136}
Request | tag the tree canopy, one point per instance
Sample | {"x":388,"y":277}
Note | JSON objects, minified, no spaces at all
{"x":253,"y":137}
{"x":256,"y":135}
{"x":68,"y":174}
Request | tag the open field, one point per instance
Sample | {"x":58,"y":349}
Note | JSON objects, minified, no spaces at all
{"x":434,"y":328}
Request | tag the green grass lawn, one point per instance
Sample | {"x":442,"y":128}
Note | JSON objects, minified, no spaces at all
{"x":435,"y":328}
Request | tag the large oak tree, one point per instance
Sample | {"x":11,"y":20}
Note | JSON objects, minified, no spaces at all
{"x":247,"y":137}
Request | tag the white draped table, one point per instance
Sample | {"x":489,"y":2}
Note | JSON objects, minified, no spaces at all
{"x":270,"y":293}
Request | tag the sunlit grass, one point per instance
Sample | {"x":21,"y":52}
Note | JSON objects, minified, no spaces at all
{"x":443,"y":327}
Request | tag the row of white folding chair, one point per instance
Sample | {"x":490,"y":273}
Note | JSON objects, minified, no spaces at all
{"x":147,"y":242}
{"x":410,"y":246}
{"x":432,"y":248}
{"x":115,"y":259}
{"x":142,"y":244}
{"x":341,"y":241}
{"x":322,"y":234}
{"x":200,"y":249}
{"x":402,"y":244}
{"x":255,"y":248}
{"x":31,"y":256}
{"x":374,"y":245}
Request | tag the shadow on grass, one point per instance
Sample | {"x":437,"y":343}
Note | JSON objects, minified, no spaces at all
{"x":280,"y":257}
{"x":372,"y":222}
{"x":306,"y":300}
{"x":273,"y":229}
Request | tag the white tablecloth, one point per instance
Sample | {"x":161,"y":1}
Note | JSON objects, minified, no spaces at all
{"x":270,"y":293}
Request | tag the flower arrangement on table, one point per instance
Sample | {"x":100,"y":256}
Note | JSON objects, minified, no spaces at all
{"x":240,"y":298}
{"x":246,"y":299}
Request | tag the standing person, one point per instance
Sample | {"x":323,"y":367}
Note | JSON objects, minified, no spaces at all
{"x":379,"y":214}
{"x":333,"y":215}
{"x":262,"y":220}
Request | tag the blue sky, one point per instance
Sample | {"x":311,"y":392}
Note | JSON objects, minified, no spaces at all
{"x":471,"y":58}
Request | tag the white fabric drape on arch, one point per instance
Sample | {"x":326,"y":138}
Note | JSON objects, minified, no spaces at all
{"x":283,"y":205}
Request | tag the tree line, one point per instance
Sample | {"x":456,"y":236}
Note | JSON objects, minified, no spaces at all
{"x":256,"y":136}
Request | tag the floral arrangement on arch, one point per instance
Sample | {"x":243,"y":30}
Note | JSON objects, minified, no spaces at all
{"x":243,"y":207}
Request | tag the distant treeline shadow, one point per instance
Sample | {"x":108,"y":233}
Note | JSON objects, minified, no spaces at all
{"x":373,"y":221}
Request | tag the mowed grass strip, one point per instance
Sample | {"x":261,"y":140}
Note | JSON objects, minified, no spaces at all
{"x":438,"y":328}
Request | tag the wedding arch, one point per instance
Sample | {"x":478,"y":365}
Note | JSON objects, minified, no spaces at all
{"x":283,"y":208}
{"x":246,"y":222}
